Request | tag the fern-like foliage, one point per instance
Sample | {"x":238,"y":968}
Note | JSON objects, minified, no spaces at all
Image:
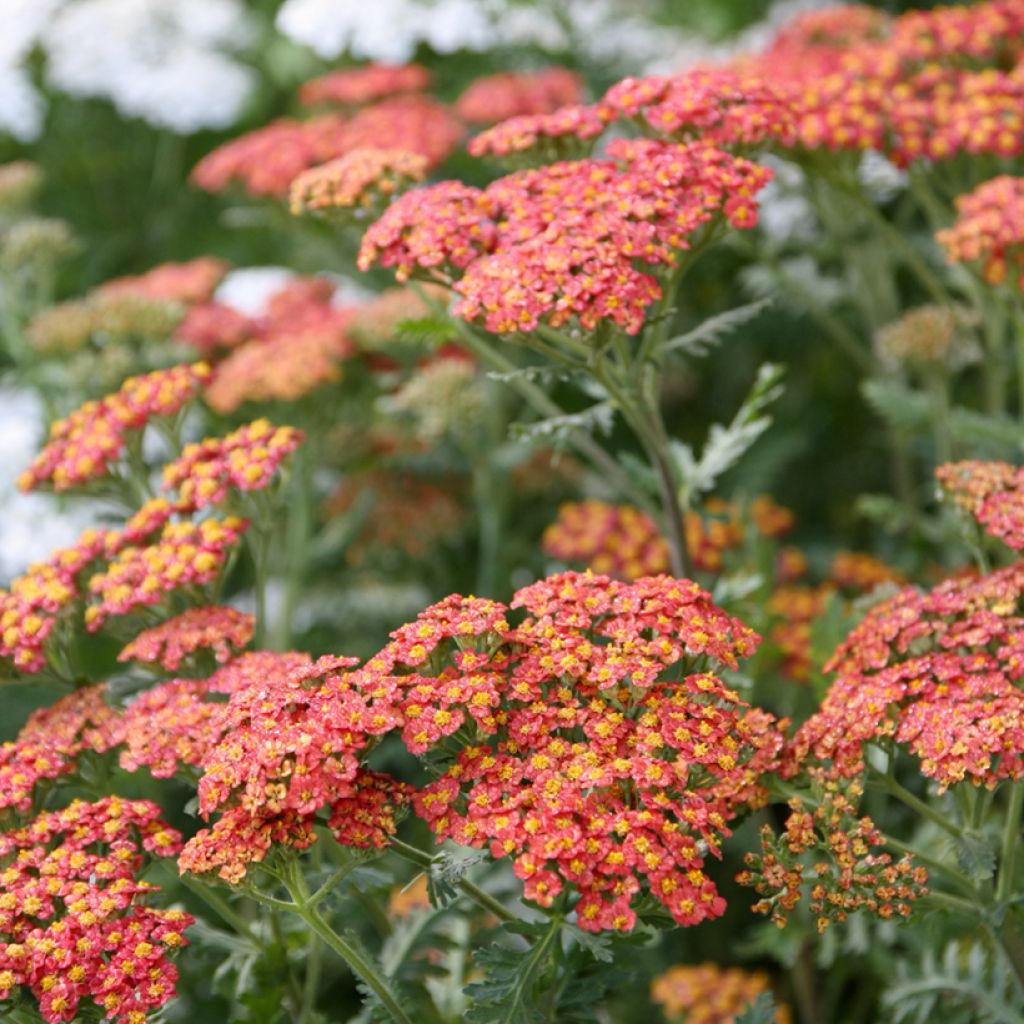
{"x":967,"y":985}
{"x":710,"y":333}
{"x":726,"y":444}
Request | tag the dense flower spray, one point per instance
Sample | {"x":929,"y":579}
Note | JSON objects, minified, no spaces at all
{"x":75,"y":927}
{"x":989,"y":230}
{"x":566,"y":241}
{"x":291,"y":743}
{"x":568,"y":749}
{"x":88,"y":444}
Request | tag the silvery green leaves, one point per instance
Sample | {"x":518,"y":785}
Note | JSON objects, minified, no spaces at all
{"x":727,"y":443}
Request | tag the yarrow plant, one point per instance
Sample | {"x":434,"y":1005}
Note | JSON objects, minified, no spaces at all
{"x":489,"y":806}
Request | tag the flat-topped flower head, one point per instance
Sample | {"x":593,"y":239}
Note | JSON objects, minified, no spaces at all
{"x":283,"y":366}
{"x":573,"y":241}
{"x":718,"y":105}
{"x":213,"y":327}
{"x":174,"y":725}
{"x":87,"y":445}
{"x":184,"y":554}
{"x":353,"y":87}
{"x":291,"y":743}
{"x":565,"y":713}
{"x":416,"y":124}
{"x":625,"y":542}
{"x":990,"y":492}
{"x":76,"y":929}
{"x":989,"y":230}
{"x":839,"y":26}
{"x":266,"y":161}
{"x":710,"y":994}
{"x":191,"y":282}
{"x":219,"y":629}
{"x":35,"y":603}
{"x":936,"y":672}
{"x":568,"y":133}
{"x":834,"y":855}
{"x":358,"y":184}
{"x":439,"y":229}
{"x":48,"y":744}
{"x":247,"y":459}
{"x":860,"y":572}
{"x":510,"y":94}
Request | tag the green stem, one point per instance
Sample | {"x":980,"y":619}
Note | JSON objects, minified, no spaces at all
{"x":216,"y":902}
{"x":1011,"y":837}
{"x":917,"y":805}
{"x":259,"y":546}
{"x":649,"y":430}
{"x":602,"y":461}
{"x":473,"y":891}
{"x":311,"y":984}
{"x":1012,"y":943}
{"x":928,"y":278}
{"x":299,"y":536}
{"x":359,"y":964}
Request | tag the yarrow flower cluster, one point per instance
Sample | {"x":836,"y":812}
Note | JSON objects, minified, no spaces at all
{"x":709,"y":994}
{"x":290,"y":745}
{"x":189,"y":283}
{"x":519,"y":94}
{"x":408,"y":513}
{"x":266,"y":161}
{"x":245,"y":460}
{"x":34,"y":604}
{"x":87,"y":445}
{"x":625,"y":542}
{"x":991,"y":492}
{"x":75,"y":928}
{"x":582,"y":764}
{"x":222,"y":630}
{"x":563,"y":241}
{"x":357,"y":184}
{"x":295,"y":345}
{"x":989,"y":230}
{"x":926,"y":85}
{"x":925,"y":335}
{"x":568,"y":133}
{"x":848,"y":874}
{"x":354,"y":87}
{"x":172,"y":726}
{"x":936,"y":672}
{"x":720,"y":105}
{"x":184,"y":554}
{"x":46,"y":747}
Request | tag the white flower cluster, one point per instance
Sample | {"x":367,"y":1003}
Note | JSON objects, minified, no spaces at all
{"x":391,"y":30}
{"x":33,"y":527}
{"x":169,"y":62}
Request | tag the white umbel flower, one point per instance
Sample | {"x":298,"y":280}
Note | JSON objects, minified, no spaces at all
{"x":167,"y":61}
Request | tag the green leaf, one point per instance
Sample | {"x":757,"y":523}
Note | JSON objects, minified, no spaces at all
{"x":707,"y":335}
{"x":909,"y":412}
{"x":976,"y":855}
{"x":598,"y":946}
{"x":968,"y":986}
{"x":532,"y":375}
{"x":726,"y":445}
{"x":556,"y":429}
{"x":429,"y":331}
{"x":905,"y":410}
{"x":761,"y":1011}
{"x":507,"y":994}
{"x":445,"y":872}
